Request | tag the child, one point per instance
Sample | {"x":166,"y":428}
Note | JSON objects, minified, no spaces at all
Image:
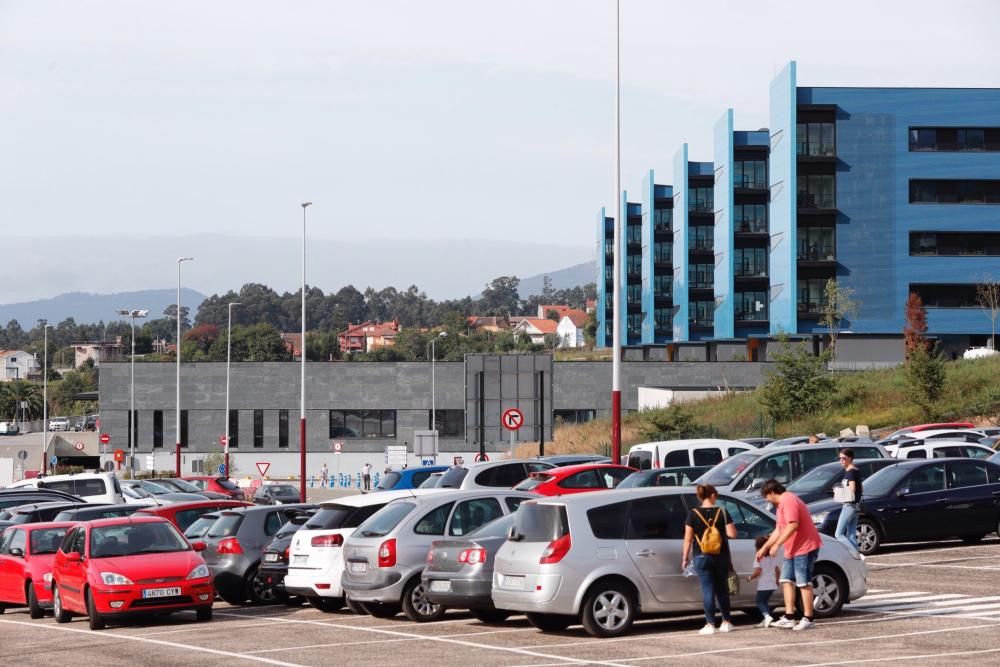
{"x":766,"y":572}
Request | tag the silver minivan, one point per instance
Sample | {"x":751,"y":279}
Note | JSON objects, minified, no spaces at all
{"x":600,"y":559}
{"x":385,"y":556}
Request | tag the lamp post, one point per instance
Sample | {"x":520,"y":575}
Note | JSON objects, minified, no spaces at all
{"x":616,"y":344}
{"x":302,"y":354}
{"x":132,"y":314}
{"x":229,"y":352}
{"x":177,"y":421}
{"x":45,"y":400}
{"x":443,"y":334}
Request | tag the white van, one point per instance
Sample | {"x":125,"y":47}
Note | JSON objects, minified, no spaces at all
{"x":683,"y":453}
{"x":92,"y":487}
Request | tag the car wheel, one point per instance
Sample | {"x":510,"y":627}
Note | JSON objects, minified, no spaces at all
{"x":328,"y":605}
{"x":34,"y":609}
{"x":490,"y":615}
{"x":355,"y":607}
{"x":257,"y":591}
{"x":608,"y":610}
{"x":380,"y":609}
{"x":829,"y":590}
{"x":869,"y":537}
{"x":96,"y":620}
{"x":204,"y":614}
{"x":973,"y":539}
{"x":62,"y":616}
{"x":417,"y":607}
{"x":549,"y":622}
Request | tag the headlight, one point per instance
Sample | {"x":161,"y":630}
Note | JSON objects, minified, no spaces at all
{"x":199,"y":572}
{"x":115,"y":579}
{"x":47,"y":577}
{"x":818,"y":519}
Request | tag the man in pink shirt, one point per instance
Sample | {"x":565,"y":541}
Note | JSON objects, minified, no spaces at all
{"x":796,"y":531}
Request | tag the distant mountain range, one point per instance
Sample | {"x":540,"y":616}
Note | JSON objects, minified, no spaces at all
{"x":92,"y":308}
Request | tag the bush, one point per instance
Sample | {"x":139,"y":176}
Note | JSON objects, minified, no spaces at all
{"x":672,"y":423}
{"x":925,"y":379}
{"x":800,"y":386}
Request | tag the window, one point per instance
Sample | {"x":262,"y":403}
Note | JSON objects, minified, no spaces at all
{"x":777,"y":466}
{"x":234,"y":428}
{"x":967,"y":474}
{"x":472,"y":514}
{"x":258,"y":429}
{"x":701,"y":313}
{"x":663,"y":318}
{"x":184,"y":428}
{"x":701,"y":200}
{"x":811,"y":458}
{"x":513,"y":502}
{"x":19,"y":540}
{"x":283,"y":428}
{"x":751,"y":306}
{"x":157,"y":429}
{"x":633,"y":294}
{"x":609,"y":247}
{"x":707,"y":457}
{"x":582,"y":480}
{"x":749,"y":522}
{"x":658,"y":518}
{"x":750,"y":262}
{"x":574,"y":416}
{"x":663,"y":252}
{"x":817,"y":244}
{"x":927,"y":479}
{"x":977,"y":452}
{"x":606,"y":522}
{"x":955,"y":243}
{"x":750,"y":174}
{"x":450,"y":423}
{"x":677,"y":458}
{"x":91,"y":487}
{"x":750,"y":218}
{"x":634,"y":324}
{"x":812,"y":295}
{"x":663,"y":286}
{"x":273,"y":522}
{"x":633,"y":233}
{"x":506,"y":475}
{"x":133,"y":426}
{"x":954,"y":191}
{"x":973,"y":139}
{"x":947,"y":295}
{"x":816,"y":139}
{"x":184,"y":518}
{"x":663,"y":219}
{"x":634,"y":265}
{"x":817,"y":191}
{"x":701,"y":237}
{"x":701,"y":276}
{"x":433,"y":522}
{"x":362,"y":424}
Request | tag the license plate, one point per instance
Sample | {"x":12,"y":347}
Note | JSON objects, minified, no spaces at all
{"x":270,"y":558}
{"x":160,"y":592}
{"x":357,"y":567}
{"x":440,"y":586}
{"x":299,"y":560}
{"x":513,"y":582}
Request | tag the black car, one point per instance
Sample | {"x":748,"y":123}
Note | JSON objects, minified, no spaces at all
{"x":560,"y":460}
{"x":677,"y":476}
{"x":277,"y":494}
{"x":818,"y":483}
{"x":184,"y":486}
{"x":274,"y":562}
{"x":25,"y":495}
{"x":47,"y":511}
{"x":90,"y":511}
{"x":922,"y":499}
{"x":757,"y":442}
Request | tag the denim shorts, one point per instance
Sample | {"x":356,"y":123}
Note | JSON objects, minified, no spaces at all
{"x":799,"y":567}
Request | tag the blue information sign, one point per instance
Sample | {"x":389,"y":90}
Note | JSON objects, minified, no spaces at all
{"x":222,"y":469}
{"x":54,"y":460}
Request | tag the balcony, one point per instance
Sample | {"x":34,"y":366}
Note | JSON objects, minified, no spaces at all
{"x":750,"y":271}
{"x":816,"y":149}
{"x":812,"y":307}
{"x":701,"y":323}
{"x":702,"y":208}
{"x":751,"y":316}
{"x":817,"y":253}
{"x":663,"y":294}
{"x":809,"y":200}
{"x":663,"y":228}
{"x":751,"y":226}
{"x":701,"y":245}
{"x":749,"y":183}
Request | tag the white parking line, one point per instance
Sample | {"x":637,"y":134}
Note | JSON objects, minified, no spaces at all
{"x":888,"y":603}
{"x":904,"y":657}
{"x":199,"y":628}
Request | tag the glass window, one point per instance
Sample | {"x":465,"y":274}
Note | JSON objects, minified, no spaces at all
{"x":750,"y":174}
{"x":234,"y":428}
{"x":816,"y":139}
{"x":776,"y":466}
{"x":640,"y":459}
{"x":258,"y":428}
{"x":701,"y":237}
{"x":472,"y":514}
{"x":751,"y":306}
{"x":701,"y":276}
{"x":612,"y":477}
{"x":701,"y":313}
{"x":812,"y":295}
{"x":282,"y":428}
{"x":46,"y":540}
{"x":916,"y":454}
{"x":977,"y":452}
{"x":954,"y":191}
{"x":513,"y":502}
{"x":226,"y":525}
{"x":184,"y":518}
{"x":663,"y":219}
{"x":947,"y":295}
{"x":676,"y":458}
{"x":971,"y":473}
{"x":707,"y":456}
{"x":657,"y":518}
{"x":750,"y":262}
{"x":354,"y":423}
{"x":157,"y":429}
{"x":19,"y":540}
{"x":663,"y":252}
{"x":811,"y":458}
{"x":433,"y":523}
{"x":701,"y":200}
{"x":582,"y":480}
{"x":817,"y":191}
{"x":606,"y":522}
{"x":750,"y":523}
{"x":450,"y":423}
{"x":184,"y":428}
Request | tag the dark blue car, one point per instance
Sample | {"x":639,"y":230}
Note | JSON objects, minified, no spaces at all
{"x":407,"y":478}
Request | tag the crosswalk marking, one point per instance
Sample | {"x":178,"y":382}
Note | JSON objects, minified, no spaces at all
{"x":919,"y":603}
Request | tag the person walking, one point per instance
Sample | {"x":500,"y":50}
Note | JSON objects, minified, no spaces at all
{"x":366,"y":476}
{"x":795,"y":530}
{"x":849,"y":495}
{"x":766,"y":573}
{"x":324,"y":474}
{"x":707,"y":532}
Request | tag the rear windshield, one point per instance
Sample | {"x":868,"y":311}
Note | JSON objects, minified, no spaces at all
{"x":540,"y":523}
{"x":227,"y":484}
{"x":332,"y":517}
{"x":496,"y":528}
{"x":641,"y":460}
{"x":46,"y":540}
{"x":816,"y":479}
{"x":187,"y":487}
{"x":453,"y":478}
{"x":390,"y":480}
{"x":226,"y":525}
{"x":384,"y":521}
{"x":724,"y":473}
{"x":201,"y":525}
{"x":532,"y":482}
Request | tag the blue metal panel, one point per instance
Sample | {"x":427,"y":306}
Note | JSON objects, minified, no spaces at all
{"x":648,"y":202}
{"x":783,"y":217}
{"x":723,"y":236}
{"x":680,"y":250}
{"x":623,"y":268}
{"x":605,"y":226}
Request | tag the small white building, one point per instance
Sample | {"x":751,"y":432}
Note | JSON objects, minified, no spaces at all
{"x":18,"y":365}
{"x":570,"y":329}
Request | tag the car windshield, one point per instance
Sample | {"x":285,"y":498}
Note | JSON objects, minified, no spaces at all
{"x":388,"y":481}
{"x":431,"y":482}
{"x":283,"y":490}
{"x":816,"y":479}
{"x":135,"y":493}
{"x":724,"y":473}
{"x":533,"y":482}
{"x":130,"y":539}
{"x":180,"y":484}
{"x":883,"y":481}
{"x":539,"y":523}
{"x":452,"y":479}
{"x":386,"y":519}
{"x":155,"y":489}
{"x":46,"y":540}
{"x":226,"y":525}
{"x":201,"y":525}
{"x":495,"y":528}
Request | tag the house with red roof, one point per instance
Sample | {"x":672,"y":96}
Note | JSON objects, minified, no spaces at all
{"x":535,"y":328}
{"x":368,"y":336}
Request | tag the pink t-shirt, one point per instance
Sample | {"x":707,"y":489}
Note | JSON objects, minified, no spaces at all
{"x":805,"y":538}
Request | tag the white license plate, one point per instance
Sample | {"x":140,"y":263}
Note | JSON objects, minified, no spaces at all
{"x":299,"y":560}
{"x":513,"y":582}
{"x":270,"y":558}
{"x":160,"y":592}
{"x":357,"y":567}
{"x":439,"y":586}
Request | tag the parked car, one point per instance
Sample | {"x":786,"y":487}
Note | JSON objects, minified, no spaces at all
{"x":184,"y":514}
{"x":59,"y":424}
{"x":8,"y":428}
{"x":922,"y":500}
{"x":431,"y":482}
{"x":681,"y":476}
{"x":559,"y":460}
{"x":491,"y":474}
{"x":96,"y":568}
{"x":600,"y":558}
{"x":459,"y":571}
{"x":917,"y":428}
{"x":93,"y":487}
{"x":26,"y":554}
{"x":39,"y":512}
{"x":277,"y":494}
{"x":757,"y":442}
{"x":979,"y":353}
{"x":818,"y":483}
{"x":316,"y":556}
{"x":575,"y":479}
{"x":158,"y":494}
{"x":386,"y":555}
{"x":673,"y":453}
{"x":89,"y":512}
{"x":952,"y":435}
{"x":235,"y":543}
{"x":23,"y":496}
{"x":274,"y":561}
{"x":222,"y":485}
{"x":936,"y":449}
{"x":179,"y":485}
{"x":407,"y":478}
{"x":199,"y":528}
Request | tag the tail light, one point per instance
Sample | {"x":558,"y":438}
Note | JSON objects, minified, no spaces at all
{"x":327,"y":541}
{"x":230,"y":545}
{"x":430,"y":554}
{"x":387,"y":553}
{"x":287,"y":551}
{"x":556,"y":550}
{"x":472,"y":556}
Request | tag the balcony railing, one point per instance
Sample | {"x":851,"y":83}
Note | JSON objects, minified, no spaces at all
{"x":751,"y":270}
{"x":811,"y":200}
{"x":701,"y":284}
{"x":748,"y":226}
{"x":703,"y":322}
{"x":701,"y":206}
{"x":663,"y":294}
{"x":707,"y":245}
{"x":749,"y":183}
{"x":817,"y":253}
{"x":751,"y":316}
{"x":816,"y":149}
{"x":813,"y":306}
{"x":663,"y":227}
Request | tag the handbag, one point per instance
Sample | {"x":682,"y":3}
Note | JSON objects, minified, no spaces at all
{"x":843,"y":494}
{"x":733,"y":583}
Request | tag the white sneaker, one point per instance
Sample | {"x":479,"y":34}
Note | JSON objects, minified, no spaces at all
{"x":783,"y":622}
{"x":726,"y":627}
{"x":861,"y":556}
{"x":707,"y":630}
{"x":804,"y":624}
{"x":766,"y":623}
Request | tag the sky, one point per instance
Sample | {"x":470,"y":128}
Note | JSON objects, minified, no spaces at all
{"x":424,"y":119}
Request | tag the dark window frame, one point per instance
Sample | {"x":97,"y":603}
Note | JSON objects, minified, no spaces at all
{"x":157,"y":429}
{"x":282,"y":429}
{"x":340,"y":420}
{"x":258,"y":429}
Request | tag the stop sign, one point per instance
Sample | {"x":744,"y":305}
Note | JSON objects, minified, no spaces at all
{"x":105,"y":438}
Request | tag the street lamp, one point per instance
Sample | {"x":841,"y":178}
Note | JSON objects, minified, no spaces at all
{"x":302,"y":354}
{"x":132,"y":314}
{"x":45,"y":400}
{"x":616,"y":318}
{"x":229,"y":351}
{"x":443,"y":334}
{"x":177,"y":422}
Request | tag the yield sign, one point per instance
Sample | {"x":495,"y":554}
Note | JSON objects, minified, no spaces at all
{"x":512,"y":419}
{"x":262,"y":468}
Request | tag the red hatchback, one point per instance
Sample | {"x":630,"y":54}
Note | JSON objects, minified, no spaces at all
{"x":222,"y":485}
{"x":26,"y":554}
{"x":575,"y":479}
{"x":126,"y":566}
{"x":183,"y":515}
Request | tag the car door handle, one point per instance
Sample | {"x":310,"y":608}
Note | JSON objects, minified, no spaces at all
{"x":645,"y":553}
{"x":941,"y":500}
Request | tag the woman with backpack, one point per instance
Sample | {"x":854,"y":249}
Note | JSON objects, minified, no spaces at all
{"x":708,"y":530}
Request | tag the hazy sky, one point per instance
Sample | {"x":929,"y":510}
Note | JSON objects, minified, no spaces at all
{"x":406,"y":119}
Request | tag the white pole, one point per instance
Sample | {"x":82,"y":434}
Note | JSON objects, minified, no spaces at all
{"x":177,"y":415}
{"x":45,"y":401}
{"x":229,"y":352}
{"x":433,"y":395}
{"x":131,"y":405}
{"x":302,"y":353}
{"x":616,"y":344}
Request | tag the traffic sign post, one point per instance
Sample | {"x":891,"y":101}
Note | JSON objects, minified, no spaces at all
{"x":262,"y":468}
{"x":222,"y":470}
{"x":512,"y":419}
{"x":105,"y":439}
{"x":53,"y":462}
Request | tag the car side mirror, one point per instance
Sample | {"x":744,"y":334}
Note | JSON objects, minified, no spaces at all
{"x":17,"y":552}
{"x":903,"y":492}
{"x":199,"y":546}
{"x":755,"y":484}
{"x":74,"y":557}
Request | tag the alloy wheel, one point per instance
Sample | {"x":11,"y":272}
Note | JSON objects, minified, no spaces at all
{"x":423,"y":606}
{"x":867,"y":536}
{"x":56,"y":602}
{"x":262,"y":592}
{"x":611,"y":610}
{"x":826,"y":592}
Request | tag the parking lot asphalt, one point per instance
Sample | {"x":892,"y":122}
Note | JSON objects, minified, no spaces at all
{"x":926,"y":603}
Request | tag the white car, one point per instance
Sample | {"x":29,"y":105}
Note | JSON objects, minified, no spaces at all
{"x":503,"y":474}
{"x":59,"y":424}
{"x":979,"y":353}
{"x":938,"y":449}
{"x":316,"y":555}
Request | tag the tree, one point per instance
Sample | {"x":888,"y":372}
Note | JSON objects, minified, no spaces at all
{"x":988,"y":295}
{"x":925,"y":378}
{"x":839,"y":306}
{"x":171,"y":314}
{"x":215,"y":459}
{"x":322,"y":346}
{"x":16,"y":392}
{"x":916,"y":325}
{"x":672,"y":423}
{"x":590,"y":330}
{"x":500,"y":297}
{"x":800,"y":385}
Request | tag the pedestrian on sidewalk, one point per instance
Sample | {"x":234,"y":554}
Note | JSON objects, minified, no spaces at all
{"x":707,"y":531}
{"x":766,"y":572}
{"x":366,"y":476}
{"x":849,"y":495}
{"x":324,"y":474}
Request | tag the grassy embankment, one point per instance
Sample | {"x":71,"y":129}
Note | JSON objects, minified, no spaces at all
{"x":875,"y":398}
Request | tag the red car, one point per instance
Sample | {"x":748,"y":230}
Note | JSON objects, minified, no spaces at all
{"x":112,"y":568}
{"x":575,"y":479}
{"x":183,"y":515}
{"x":26,"y":554}
{"x":222,"y":485}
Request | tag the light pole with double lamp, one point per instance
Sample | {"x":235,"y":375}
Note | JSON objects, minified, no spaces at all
{"x":132,"y":314}
{"x":45,"y":401}
{"x":302,"y":354}
{"x":430,"y":344}
{"x":177,"y":416}
{"x":229,"y":352}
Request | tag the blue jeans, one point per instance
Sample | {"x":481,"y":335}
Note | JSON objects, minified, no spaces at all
{"x":799,"y":570}
{"x":762,"y":599}
{"x":847,"y":528}
{"x":712,"y":573}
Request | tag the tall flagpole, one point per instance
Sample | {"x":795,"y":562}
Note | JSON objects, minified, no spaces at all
{"x":616,"y":341}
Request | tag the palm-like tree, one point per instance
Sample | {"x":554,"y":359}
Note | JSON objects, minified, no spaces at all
{"x":13,"y":393}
